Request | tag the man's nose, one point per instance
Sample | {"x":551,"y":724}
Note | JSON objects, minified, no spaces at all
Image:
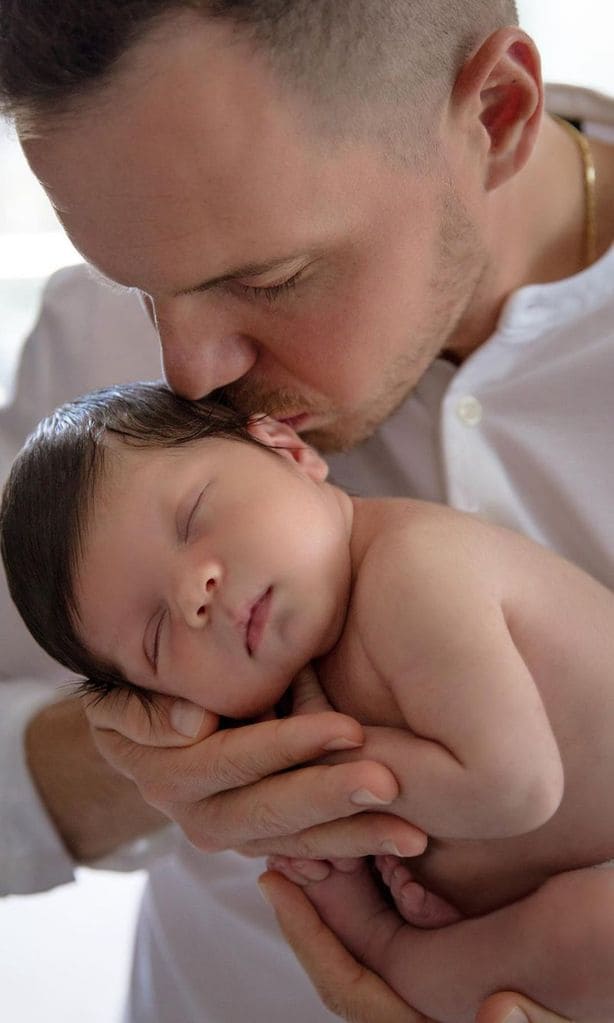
{"x":202,"y":347}
{"x":197,"y":591}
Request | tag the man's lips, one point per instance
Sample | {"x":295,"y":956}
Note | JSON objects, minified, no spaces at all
{"x":257,"y":622}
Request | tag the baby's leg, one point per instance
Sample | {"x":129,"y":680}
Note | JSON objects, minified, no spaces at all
{"x":415,"y":903}
{"x":555,"y":946}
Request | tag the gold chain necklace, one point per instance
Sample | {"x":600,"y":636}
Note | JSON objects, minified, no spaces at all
{"x":590,"y":213}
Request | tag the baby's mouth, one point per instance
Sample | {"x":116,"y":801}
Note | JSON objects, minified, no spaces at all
{"x":257,"y":620}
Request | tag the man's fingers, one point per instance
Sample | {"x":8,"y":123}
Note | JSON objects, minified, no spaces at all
{"x":279,"y":805}
{"x":234,"y":786}
{"x":507,"y":1007}
{"x":177,"y":783}
{"x":150,"y":720}
{"x":346,"y":988}
{"x":248,"y":784}
{"x":242,"y":756}
{"x":365,"y":834}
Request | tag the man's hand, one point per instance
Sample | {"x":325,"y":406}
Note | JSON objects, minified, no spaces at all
{"x":350,"y":989}
{"x":346,"y":987}
{"x":245,"y":787}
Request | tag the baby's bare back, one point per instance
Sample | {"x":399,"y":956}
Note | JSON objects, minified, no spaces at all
{"x":562,"y":623}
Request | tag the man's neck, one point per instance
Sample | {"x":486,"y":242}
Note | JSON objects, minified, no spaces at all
{"x":537,"y":228}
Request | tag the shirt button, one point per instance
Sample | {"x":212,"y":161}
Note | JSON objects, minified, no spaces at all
{"x":469,"y":410}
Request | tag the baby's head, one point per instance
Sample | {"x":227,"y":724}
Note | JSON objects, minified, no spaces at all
{"x":175,"y":546}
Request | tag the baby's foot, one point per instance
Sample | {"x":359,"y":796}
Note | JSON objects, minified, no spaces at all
{"x":414,"y":902}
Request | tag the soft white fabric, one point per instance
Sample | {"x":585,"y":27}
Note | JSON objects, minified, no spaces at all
{"x":520,"y":434}
{"x":537,"y":458}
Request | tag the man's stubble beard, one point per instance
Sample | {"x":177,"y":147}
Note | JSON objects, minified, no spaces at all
{"x":460,"y":267}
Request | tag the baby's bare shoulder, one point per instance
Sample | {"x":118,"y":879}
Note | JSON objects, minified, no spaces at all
{"x":408,"y":541}
{"x":426,"y":555}
{"x":449,"y":566}
{"x":425,"y":563}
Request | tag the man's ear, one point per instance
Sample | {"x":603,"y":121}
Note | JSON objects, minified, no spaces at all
{"x":288,"y":444}
{"x":500,"y":86}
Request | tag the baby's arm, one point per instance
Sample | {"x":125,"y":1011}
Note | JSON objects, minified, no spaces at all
{"x":478,"y":758}
{"x":554,"y":946}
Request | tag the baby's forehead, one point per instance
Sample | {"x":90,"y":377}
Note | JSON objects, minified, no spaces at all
{"x":120,"y":457}
{"x":115,"y":463}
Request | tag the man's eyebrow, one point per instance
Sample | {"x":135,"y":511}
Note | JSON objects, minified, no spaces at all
{"x":247,"y":270}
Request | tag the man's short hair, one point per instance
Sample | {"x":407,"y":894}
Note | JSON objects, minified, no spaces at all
{"x":402,"y":55}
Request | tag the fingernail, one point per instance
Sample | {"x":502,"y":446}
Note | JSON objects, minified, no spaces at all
{"x":517,"y":1015}
{"x":341,"y":744}
{"x":186,"y":718}
{"x":363,"y":797}
{"x":391,"y":848}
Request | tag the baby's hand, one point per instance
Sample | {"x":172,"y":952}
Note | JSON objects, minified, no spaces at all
{"x":308,"y":697}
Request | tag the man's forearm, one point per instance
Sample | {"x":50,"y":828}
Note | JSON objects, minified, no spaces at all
{"x":93,"y":807}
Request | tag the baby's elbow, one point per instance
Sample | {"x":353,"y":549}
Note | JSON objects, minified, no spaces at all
{"x":534,"y":794}
{"x":544,"y":796}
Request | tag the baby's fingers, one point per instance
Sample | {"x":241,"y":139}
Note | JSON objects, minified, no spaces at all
{"x":150,"y":719}
{"x":307,"y":694}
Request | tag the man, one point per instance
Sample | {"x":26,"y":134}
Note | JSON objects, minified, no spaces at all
{"x":318,"y":200}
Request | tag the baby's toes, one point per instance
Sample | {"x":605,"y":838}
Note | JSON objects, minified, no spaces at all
{"x":301,"y":872}
{"x":386,"y":866}
{"x":415,"y":903}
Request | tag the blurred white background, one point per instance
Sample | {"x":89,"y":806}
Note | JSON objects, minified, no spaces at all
{"x":64,"y":955}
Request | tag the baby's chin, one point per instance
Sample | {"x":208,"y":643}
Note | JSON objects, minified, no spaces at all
{"x":282,"y":709}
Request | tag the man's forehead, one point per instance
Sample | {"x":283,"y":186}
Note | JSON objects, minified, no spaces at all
{"x":148,"y":223}
{"x":197,"y":164}
{"x":206,"y":162}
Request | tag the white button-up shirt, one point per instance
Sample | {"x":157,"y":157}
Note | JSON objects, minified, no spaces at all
{"x":520,"y":434}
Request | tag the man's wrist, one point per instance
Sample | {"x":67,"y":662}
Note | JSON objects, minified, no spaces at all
{"x":93,"y":808}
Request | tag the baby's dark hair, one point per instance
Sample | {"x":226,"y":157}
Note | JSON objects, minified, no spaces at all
{"x":48,"y":499}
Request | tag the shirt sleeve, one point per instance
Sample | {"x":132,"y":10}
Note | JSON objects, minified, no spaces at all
{"x":32,"y":857}
{"x":87,"y":335}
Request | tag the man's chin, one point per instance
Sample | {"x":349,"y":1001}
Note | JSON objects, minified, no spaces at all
{"x":335,"y":438}
{"x":344,"y":432}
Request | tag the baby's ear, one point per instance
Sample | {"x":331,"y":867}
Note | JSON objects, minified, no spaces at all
{"x":288,"y":444}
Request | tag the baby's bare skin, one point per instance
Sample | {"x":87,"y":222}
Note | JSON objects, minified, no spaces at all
{"x":560,"y":622}
{"x":540,"y":946}
{"x":479,"y":665}
{"x":422,"y":572}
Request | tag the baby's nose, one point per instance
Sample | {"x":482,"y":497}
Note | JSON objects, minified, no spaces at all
{"x":198,"y":593}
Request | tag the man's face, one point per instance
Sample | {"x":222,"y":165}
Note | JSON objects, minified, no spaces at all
{"x":213,"y":571}
{"x":319,"y":279}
